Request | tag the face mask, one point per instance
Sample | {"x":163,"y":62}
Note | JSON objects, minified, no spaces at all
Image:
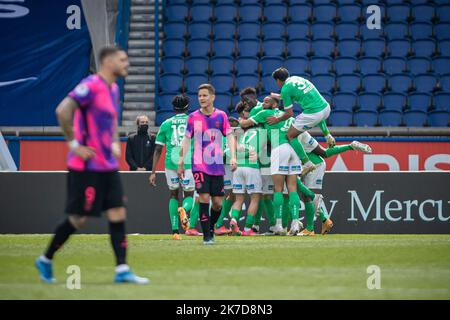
{"x":143,"y":128}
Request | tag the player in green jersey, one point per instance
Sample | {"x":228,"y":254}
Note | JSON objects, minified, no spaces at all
{"x":315,"y":111}
{"x":170,"y":134}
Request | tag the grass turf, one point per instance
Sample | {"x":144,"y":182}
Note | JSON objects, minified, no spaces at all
{"x":330,"y":267}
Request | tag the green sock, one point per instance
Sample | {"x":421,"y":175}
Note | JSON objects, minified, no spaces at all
{"x":323,"y":215}
{"x":259,"y":212}
{"x":226,"y":206}
{"x":187,"y":204}
{"x":278,"y":204}
{"x":294,"y":205}
{"x":323,"y":127}
{"x":286,"y":213}
{"x":193,"y":217}
{"x":249,"y":221}
{"x":235,"y":214}
{"x":299,"y":150}
{"x":310,"y":211}
{"x":270,"y":213}
{"x":303,"y":189}
{"x":173,"y":212}
{"x":336,"y":150}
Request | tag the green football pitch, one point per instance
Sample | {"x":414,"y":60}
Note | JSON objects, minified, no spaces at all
{"x":322,"y":267}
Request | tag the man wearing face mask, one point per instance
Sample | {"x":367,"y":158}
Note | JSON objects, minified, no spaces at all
{"x":140,"y":147}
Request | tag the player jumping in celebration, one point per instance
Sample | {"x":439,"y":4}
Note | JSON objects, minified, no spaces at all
{"x":206,"y":127}
{"x":170,"y":134}
{"x":315,"y":111}
{"x":88,"y":118}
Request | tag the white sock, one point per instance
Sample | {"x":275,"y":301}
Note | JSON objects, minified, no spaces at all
{"x":122,"y":268}
{"x":278,"y":223}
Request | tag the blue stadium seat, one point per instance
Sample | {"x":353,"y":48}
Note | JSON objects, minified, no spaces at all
{"x":246,"y":80}
{"x":269,"y":64}
{"x":367,"y":3}
{"x":322,"y":47}
{"x":165,"y":102}
{"x":170,"y":82}
{"x":296,"y":65}
{"x":344,"y":65}
{"x":442,"y":101}
{"x":297,"y":30}
{"x":246,"y":65}
{"x":374,"y":82}
{"x":396,"y":30}
{"x":173,"y":47}
{"x":444,"y":48}
{"x":347,"y":30}
{"x":250,"y":13}
{"x":393,"y":65}
{"x":223,"y":101}
{"x":398,"y":48}
{"x":298,"y":48}
{"x":394,"y":101}
{"x":445,"y":82}
{"x":443,"y":12}
{"x":193,"y":81}
{"x":414,"y":2}
{"x":177,"y":12}
{"x":324,"y":82}
{"x":421,"y":30}
{"x":171,"y":2}
{"x":234,"y":101}
{"x":220,"y":65}
{"x":201,"y":13}
{"x":269,"y":84}
{"x":197,"y":65}
{"x":442,"y":31}
{"x":222,"y":82}
{"x":319,"y":65}
{"x":327,"y":96}
{"x":369,"y":101}
{"x":400,"y":82}
{"x":438,"y":118}
{"x":162,"y":116}
{"x":248,"y":48}
{"x":172,"y":64}
{"x":414,"y":118}
{"x":349,"y":12}
{"x":199,"y":30}
{"x":344,"y":101}
{"x":324,"y":12}
{"x":275,"y":12}
{"x":441,"y":65}
{"x":373,"y":48}
{"x":174,"y":30}
{"x":273,"y":47}
{"x":348,"y":82}
{"x":340,"y":118}
{"x":273,"y":30}
{"x":322,"y":30}
{"x":419,"y":101}
{"x":398,"y":12}
{"x":418,"y":65}
{"x":199,"y":47}
{"x":369,"y":65}
{"x":365,"y":118}
{"x":245,"y":2}
{"x":224,"y":30}
{"x":349,"y":48}
{"x":390,"y":118}
{"x":425,"y":47}
{"x":225,"y":13}
{"x":342,"y":2}
{"x":425,"y":82}
{"x":300,"y":12}
{"x":223,"y":48}
{"x":193,"y":102}
{"x":422,"y":12}
{"x":268,"y":2}
{"x":248,"y":31}
{"x":367,"y":33}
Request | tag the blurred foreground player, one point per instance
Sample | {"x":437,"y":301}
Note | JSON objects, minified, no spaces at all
{"x":93,"y":183}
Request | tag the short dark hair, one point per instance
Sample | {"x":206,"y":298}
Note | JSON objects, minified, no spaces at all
{"x":247,"y":91}
{"x":280,"y":74}
{"x":108,"y":51}
{"x":180,"y":102}
{"x":240,"y":107}
{"x":208,"y":87}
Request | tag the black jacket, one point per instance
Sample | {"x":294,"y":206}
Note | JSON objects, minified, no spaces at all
{"x":139,"y":153}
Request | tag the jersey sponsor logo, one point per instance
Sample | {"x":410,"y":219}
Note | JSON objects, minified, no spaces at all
{"x":250,"y":186}
{"x":227,"y":182}
{"x":283,"y":168}
{"x":82,"y":90}
{"x":175,"y":180}
{"x":296,"y":167}
{"x":237,"y":186}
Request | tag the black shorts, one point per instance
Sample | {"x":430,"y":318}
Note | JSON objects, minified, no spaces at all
{"x":91,"y":193}
{"x":205,"y":183}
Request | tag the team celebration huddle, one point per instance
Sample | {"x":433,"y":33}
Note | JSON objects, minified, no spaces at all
{"x":266,"y":153}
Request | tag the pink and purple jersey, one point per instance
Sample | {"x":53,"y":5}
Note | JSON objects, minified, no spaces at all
{"x":207,"y":133}
{"x":94,"y":123}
